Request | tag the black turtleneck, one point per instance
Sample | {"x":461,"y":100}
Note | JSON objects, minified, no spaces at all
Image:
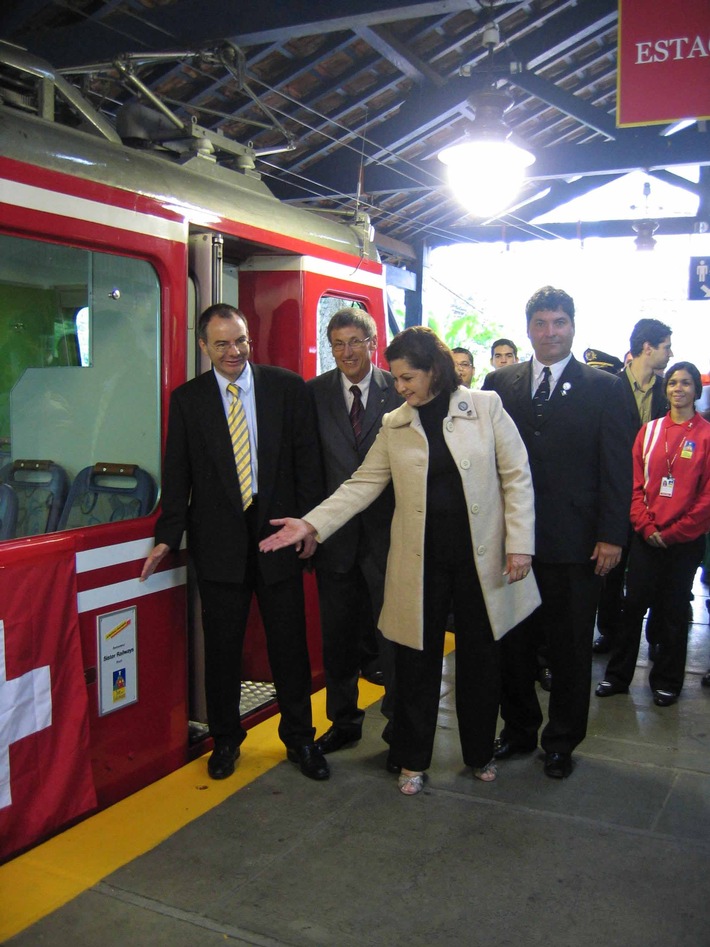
{"x":446,"y":513}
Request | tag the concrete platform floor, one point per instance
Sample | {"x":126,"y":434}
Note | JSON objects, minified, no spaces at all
{"x":616,"y":855}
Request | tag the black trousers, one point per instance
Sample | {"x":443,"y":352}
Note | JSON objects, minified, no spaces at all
{"x":225,"y":609}
{"x":663,"y":577}
{"x":610,"y":613}
{"x":570,"y":593}
{"x":350,"y":604}
{"x":449,"y":577}
{"x":611,"y":600}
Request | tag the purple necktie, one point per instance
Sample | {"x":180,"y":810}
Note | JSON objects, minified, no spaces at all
{"x":356,"y":412}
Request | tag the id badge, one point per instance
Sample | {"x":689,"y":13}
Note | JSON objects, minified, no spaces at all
{"x":667,"y":484}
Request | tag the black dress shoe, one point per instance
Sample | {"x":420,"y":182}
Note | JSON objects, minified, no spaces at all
{"x":558,"y":765}
{"x":705,"y":679}
{"x":609,"y":688}
{"x":311,"y":760}
{"x":374,"y":677}
{"x":602,"y":644}
{"x":221,"y":763}
{"x":197,"y":732}
{"x":503,"y":750}
{"x":664,"y":698}
{"x":544,"y":676}
{"x":335,"y":739}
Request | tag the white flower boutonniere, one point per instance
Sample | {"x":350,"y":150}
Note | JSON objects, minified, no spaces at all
{"x":566,"y":388}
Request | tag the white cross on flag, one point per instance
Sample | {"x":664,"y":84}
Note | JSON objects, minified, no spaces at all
{"x":45,"y":768}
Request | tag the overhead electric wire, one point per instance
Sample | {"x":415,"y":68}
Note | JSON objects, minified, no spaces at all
{"x":356,"y":142}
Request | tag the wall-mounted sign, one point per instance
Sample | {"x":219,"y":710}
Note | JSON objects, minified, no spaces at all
{"x":664,"y":61}
{"x":699,"y":278}
{"x":118,"y":675}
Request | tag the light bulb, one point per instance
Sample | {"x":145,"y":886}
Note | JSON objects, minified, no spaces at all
{"x":486,"y":175}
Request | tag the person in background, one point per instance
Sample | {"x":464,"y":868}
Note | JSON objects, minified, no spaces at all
{"x":670,"y":514}
{"x":463,"y":360}
{"x":503,"y":352}
{"x":644,"y":395}
{"x":595,"y":358}
{"x":242,"y":446}
{"x":462,"y":532}
{"x":350,"y":402}
{"x":579,"y":447}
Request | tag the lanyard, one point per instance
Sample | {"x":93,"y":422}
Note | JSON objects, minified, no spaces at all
{"x":669,"y":462}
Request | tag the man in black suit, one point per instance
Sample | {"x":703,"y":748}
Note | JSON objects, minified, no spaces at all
{"x":350,"y":402}
{"x":642,"y":387}
{"x":241,"y":450}
{"x":579,"y":449}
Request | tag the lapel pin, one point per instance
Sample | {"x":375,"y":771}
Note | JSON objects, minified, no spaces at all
{"x":462,"y":405}
{"x":565,"y":388}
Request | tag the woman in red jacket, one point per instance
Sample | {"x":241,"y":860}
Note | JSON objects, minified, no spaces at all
{"x":670,"y":514}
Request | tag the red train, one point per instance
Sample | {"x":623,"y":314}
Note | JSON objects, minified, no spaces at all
{"x":107,"y":253}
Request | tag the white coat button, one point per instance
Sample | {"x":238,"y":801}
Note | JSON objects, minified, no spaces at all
{"x":481,"y":550}
{"x":449,"y":425}
{"x":465,"y":463}
{"x":475,"y":508}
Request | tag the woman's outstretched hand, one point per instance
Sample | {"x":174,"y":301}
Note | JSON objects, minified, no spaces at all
{"x":293,"y":532}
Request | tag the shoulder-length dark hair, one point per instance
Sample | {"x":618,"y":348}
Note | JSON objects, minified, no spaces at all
{"x":423,"y":349}
{"x":691,"y":370}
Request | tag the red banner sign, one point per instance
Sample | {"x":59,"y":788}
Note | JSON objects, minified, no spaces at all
{"x":45,"y":769}
{"x":664,"y":61}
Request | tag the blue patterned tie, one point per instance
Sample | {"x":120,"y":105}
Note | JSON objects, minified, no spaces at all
{"x":542,"y":395}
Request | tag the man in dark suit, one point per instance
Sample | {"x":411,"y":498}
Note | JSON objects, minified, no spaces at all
{"x":642,"y":388}
{"x":579,"y":449}
{"x":241,"y":450}
{"x":350,"y":402}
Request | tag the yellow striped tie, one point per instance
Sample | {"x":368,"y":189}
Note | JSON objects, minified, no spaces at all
{"x":239,"y":432}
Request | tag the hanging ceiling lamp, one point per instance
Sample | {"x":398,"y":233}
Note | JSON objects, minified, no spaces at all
{"x":645,"y":230}
{"x":646,"y":226}
{"x":487,"y":170}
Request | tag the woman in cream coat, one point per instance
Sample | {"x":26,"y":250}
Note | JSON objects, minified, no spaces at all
{"x":462,"y":532}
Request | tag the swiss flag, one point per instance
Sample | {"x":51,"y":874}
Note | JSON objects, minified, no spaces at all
{"x":45,"y":768}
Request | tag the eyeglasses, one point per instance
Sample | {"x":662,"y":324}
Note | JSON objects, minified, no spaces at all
{"x":221,"y":346}
{"x":354,"y":344}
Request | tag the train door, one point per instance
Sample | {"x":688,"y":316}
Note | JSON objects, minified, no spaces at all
{"x":214,"y":277}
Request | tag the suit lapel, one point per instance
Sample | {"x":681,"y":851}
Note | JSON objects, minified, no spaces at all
{"x":269,"y":417}
{"x":522,"y":384}
{"x":217,"y":437}
{"x":376,"y":398}
{"x":338,"y":409}
{"x":569,"y":379}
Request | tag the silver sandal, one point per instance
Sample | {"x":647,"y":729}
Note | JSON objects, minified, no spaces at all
{"x":411,"y":784}
{"x":486,"y":773}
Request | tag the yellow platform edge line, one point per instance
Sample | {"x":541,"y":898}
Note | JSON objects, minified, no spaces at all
{"x":45,"y":878}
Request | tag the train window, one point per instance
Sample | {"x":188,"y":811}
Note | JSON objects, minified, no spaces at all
{"x":79,"y":357}
{"x":327,"y":307}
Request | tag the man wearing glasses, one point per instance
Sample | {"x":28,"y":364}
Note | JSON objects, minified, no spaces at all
{"x":240,"y":451}
{"x":350,"y":402}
